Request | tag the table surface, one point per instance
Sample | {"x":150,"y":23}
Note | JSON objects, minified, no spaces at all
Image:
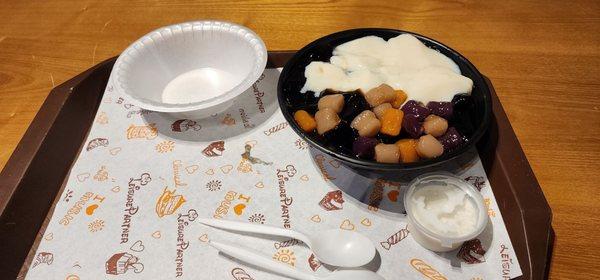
{"x":542,"y":57}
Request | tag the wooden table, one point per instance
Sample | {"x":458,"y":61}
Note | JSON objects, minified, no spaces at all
{"x":542,"y":57}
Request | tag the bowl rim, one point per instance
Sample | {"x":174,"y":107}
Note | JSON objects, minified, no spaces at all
{"x":259,"y":65}
{"x":372,"y":165}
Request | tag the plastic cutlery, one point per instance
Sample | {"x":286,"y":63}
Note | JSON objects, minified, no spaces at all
{"x":335,"y":247}
{"x":257,"y":259}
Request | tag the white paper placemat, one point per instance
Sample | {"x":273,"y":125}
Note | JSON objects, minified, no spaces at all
{"x":129,"y":208}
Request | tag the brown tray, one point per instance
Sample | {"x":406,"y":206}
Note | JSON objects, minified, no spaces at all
{"x":37,"y":170}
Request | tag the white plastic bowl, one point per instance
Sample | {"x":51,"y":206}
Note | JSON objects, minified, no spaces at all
{"x":430,"y":239}
{"x":193,"y":69}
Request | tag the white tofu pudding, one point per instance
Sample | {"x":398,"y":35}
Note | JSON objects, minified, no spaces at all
{"x":403,"y":62}
{"x":444,"y":211}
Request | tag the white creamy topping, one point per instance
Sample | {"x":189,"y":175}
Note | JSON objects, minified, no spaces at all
{"x":402,"y":62}
{"x":445,"y":210}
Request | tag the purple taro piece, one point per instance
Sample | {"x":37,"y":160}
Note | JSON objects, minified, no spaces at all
{"x":364,"y":147}
{"x":451,"y":139}
{"x":441,"y":109}
{"x":416,"y":108}
{"x":412,"y":126}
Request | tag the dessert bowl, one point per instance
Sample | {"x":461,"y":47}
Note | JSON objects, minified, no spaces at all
{"x":192,"y":69}
{"x":291,"y":99}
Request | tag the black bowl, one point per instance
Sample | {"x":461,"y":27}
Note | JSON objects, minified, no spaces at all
{"x":290,"y":99}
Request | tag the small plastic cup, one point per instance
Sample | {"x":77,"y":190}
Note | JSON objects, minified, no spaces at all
{"x":192,"y":70}
{"x":429,"y":238}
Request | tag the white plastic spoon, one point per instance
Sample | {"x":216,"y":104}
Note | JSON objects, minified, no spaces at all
{"x":336,"y":247}
{"x":254,"y":258}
